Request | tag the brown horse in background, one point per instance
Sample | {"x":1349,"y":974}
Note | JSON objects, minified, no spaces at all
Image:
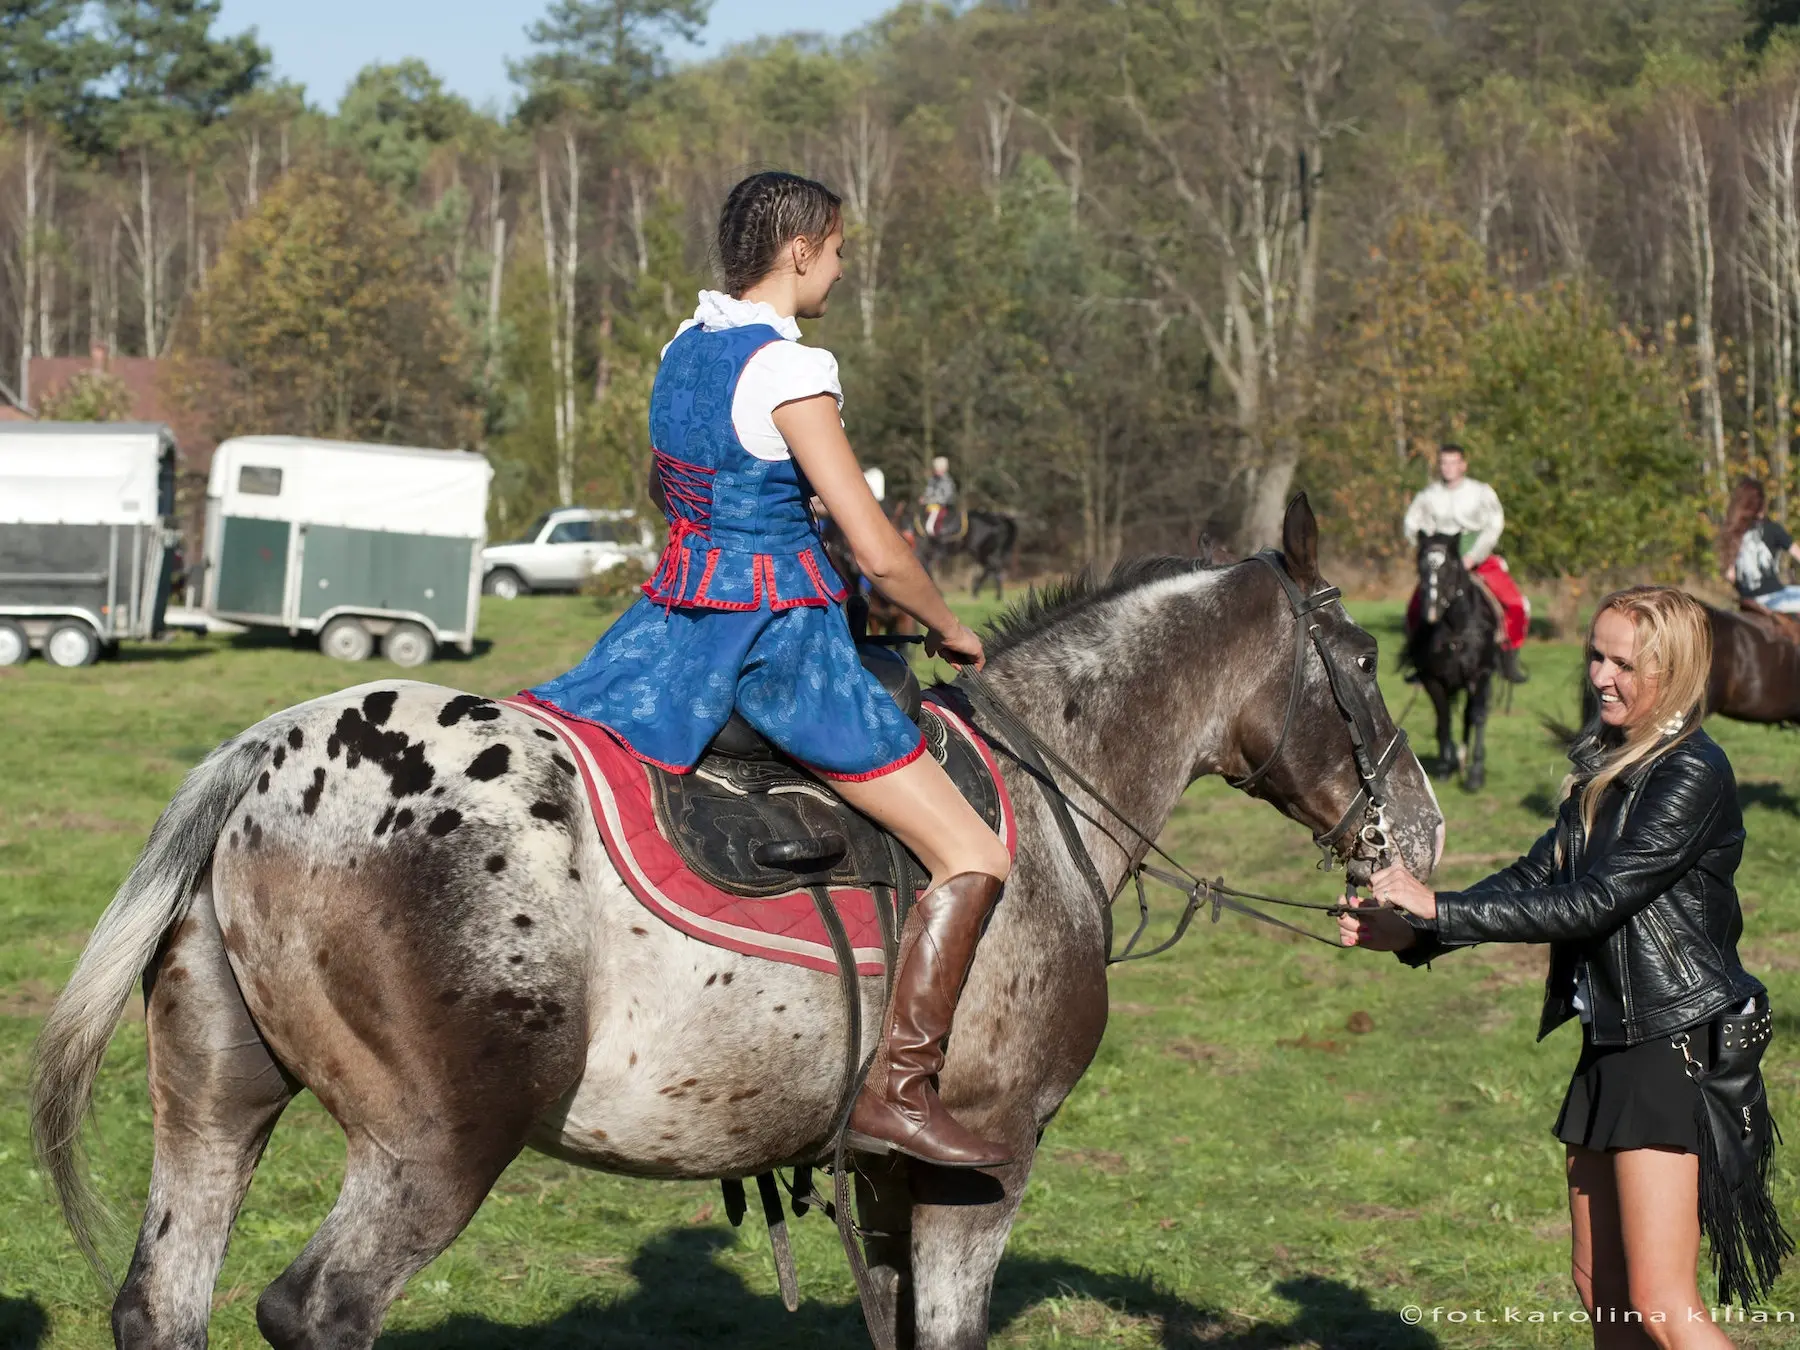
{"x":1755,"y":666}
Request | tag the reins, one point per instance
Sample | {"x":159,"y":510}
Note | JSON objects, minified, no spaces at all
{"x":1037,"y":758}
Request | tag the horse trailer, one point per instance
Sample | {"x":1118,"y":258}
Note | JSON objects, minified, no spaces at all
{"x":87,"y":537}
{"x":361,"y":544}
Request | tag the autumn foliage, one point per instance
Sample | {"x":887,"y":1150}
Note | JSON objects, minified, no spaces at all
{"x":322,"y":318}
{"x":1581,"y":425}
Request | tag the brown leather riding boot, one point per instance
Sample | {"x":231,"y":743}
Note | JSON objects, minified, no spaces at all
{"x":898,"y":1108}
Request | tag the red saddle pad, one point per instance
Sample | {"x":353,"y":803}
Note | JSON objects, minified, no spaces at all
{"x":783,"y":927}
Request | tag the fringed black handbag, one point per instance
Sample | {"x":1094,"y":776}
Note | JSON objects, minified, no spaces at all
{"x":1737,"y":1148}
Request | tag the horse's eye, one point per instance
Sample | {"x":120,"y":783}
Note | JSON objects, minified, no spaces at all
{"x":1366,"y":663}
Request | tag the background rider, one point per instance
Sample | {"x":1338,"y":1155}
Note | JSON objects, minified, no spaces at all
{"x":1454,"y":503}
{"x":1752,"y":547}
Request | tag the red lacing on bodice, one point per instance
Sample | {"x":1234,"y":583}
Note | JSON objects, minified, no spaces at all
{"x":688,"y":491}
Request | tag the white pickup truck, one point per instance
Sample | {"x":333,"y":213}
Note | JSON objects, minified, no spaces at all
{"x":563,"y":548}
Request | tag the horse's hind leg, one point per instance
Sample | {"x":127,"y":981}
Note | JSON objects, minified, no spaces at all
{"x":215,"y":1093}
{"x":403,"y":1201}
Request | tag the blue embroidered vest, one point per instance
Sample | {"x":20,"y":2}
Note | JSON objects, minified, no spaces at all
{"x":741,"y":535}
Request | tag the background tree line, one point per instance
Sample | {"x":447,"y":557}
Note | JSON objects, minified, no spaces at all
{"x":1139,"y":267}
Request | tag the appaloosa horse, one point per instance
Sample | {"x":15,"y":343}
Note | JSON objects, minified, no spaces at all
{"x":1455,"y":648}
{"x":986,"y":536}
{"x":395,"y":896}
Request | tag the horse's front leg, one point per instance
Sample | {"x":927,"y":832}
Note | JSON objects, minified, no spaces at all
{"x":960,"y":1224}
{"x":1475,"y":715}
{"x":1439,"y":694}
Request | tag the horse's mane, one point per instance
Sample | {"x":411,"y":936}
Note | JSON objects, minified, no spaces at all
{"x":1066,"y":597}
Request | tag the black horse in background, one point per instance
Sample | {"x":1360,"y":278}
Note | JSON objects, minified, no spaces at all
{"x":986,"y":536}
{"x":1454,"y":647}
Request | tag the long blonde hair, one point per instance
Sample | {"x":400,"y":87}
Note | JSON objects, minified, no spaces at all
{"x":1674,"y":647}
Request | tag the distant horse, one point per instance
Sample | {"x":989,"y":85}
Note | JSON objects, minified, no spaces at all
{"x":396,"y":896}
{"x":1455,"y":648}
{"x":986,"y":536}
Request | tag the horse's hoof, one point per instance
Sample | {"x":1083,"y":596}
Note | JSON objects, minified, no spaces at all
{"x":1475,"y":781}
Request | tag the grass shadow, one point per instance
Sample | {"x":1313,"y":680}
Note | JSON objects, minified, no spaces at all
{"x":1540,"y":803}
{"x":24,"y":1325}
{"x":1769,"y":793}
{"x":687,"y":1297}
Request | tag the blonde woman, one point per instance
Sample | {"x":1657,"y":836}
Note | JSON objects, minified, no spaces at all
{"x":1665,"y":1123}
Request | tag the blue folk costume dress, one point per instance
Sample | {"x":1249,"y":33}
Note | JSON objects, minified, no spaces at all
{"x":745,"y":610}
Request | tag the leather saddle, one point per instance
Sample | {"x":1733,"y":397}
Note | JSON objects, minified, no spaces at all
{"x":752,"y":822}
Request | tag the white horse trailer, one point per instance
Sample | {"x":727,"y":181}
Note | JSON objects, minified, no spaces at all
{"x":357,"y":543}
{"x":87,"y":537}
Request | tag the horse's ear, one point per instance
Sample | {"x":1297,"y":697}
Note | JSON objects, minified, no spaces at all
{"x":1300,"y":542}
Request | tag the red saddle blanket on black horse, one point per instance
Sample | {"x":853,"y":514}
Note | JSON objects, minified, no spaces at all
{"x":686,"y":843}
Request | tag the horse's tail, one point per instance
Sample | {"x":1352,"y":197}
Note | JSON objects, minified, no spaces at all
{"x":153,"y":898}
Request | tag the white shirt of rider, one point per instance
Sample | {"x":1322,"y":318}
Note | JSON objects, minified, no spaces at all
{"x":779,"y":373}
{"x":1471,"y":507}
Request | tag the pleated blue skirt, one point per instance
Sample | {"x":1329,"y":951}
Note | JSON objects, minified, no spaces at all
{"x":664,"y":681}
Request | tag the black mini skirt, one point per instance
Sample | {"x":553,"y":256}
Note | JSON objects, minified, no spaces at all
{"x":1635,"y":1096}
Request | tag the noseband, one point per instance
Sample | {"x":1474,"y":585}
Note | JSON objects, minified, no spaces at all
{"x":1367,"y":812}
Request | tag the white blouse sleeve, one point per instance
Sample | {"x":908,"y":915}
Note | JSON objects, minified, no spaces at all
{"x":780,"y":373}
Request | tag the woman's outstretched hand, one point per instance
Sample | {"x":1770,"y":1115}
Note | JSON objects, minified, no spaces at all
{"x":1397,"y":886}
{"x":960,"y":645}
{"x":1380,"y":930}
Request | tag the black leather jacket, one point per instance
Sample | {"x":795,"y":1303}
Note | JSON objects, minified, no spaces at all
{"x":1647,"y":906}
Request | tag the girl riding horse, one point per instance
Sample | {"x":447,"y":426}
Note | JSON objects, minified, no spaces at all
{"x":745,"y":613}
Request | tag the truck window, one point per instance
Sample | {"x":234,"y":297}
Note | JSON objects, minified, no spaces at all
{"x":614,"y":532}
{"x":258,"y":480}
{"x":572,"y":532}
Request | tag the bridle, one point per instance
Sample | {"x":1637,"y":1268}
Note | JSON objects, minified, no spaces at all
{"x":1367,"y":812}
{"x":1443,"y":603}
{"x":1359,"y":719}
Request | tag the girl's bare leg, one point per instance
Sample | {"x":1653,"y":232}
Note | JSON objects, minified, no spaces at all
{"x":1597,"y":1253}
{"x":1659,"y":1221}
{"x":922,"y":807}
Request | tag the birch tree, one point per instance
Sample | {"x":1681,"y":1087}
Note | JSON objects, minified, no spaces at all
{"x":45,"y":61}
{"x":1771,"y":247}
{"x":866,"y":154}
{"x":1238,"y":157}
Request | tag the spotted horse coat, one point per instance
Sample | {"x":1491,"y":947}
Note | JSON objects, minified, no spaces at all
{"x":394,"y":896}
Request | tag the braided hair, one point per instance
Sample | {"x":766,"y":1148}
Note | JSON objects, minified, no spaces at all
{"x":763,"y":215}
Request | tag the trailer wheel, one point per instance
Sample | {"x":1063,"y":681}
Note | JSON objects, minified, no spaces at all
{"x":408,"y":645}
{"x":346,"y":639}
{"x":72,"y":644}
{"x":505,"y":584}
{"x":15,"y":647}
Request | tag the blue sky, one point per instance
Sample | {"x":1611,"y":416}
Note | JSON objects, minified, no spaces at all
{"x":322,"y":43}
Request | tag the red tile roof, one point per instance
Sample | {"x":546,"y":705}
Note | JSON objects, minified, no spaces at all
{"x":49,"y":374}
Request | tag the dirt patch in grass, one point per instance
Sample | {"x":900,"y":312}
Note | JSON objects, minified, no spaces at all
{"x":28,"y":998}
{"x":1510,"y":965}
{"x":1098,"y":1159}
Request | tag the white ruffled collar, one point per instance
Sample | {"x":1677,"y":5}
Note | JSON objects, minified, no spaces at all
{"x":719,"y":311}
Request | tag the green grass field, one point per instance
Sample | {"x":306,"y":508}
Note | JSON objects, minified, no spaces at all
{"x":1279,"y":1145}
